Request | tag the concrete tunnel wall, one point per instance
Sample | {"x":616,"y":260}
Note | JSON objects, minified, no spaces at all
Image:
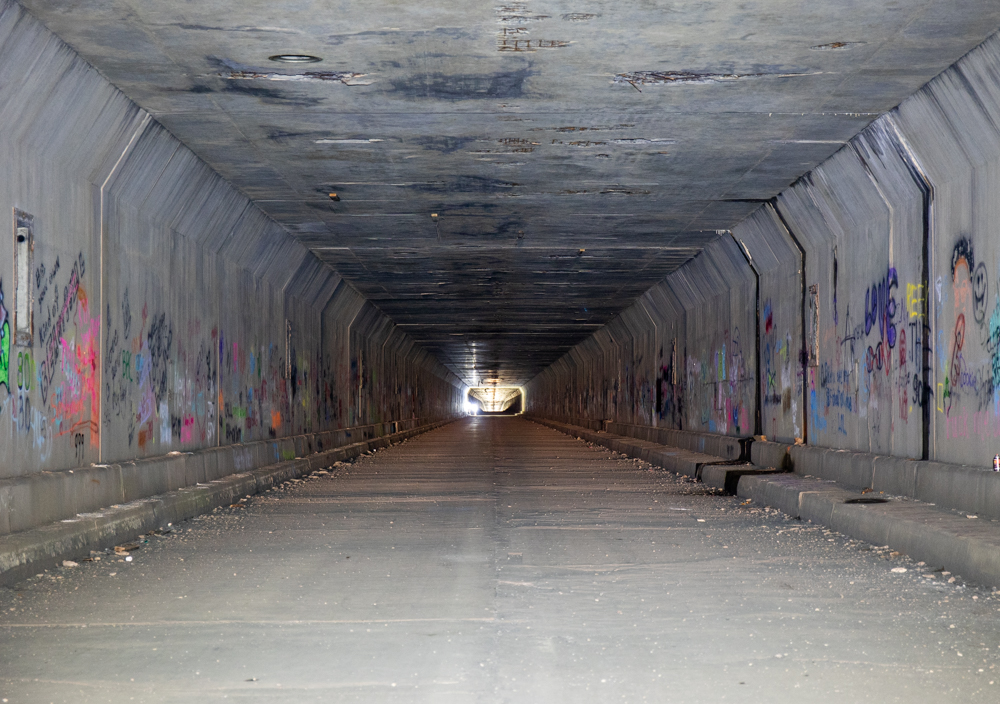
{"x":168,"y":313}
{"x":877,"y":309}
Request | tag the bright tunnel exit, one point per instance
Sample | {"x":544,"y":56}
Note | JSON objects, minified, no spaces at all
{"x":496,"y":400}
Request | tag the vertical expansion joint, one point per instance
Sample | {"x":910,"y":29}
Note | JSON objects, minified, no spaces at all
{"x":758,"y":427}
{"x":916,"y":171}
{"x":803,"y":354}
{"x":102,"y":240}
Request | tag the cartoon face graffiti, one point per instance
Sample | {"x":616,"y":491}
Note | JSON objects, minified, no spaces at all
{"x":980,"y":289}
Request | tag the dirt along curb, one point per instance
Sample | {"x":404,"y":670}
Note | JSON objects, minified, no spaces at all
{"x":26,"y":553}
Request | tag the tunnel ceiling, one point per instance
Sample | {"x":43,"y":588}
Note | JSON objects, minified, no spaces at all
{"x":511,"y":175}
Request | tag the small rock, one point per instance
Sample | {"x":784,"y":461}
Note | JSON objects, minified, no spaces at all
{"x":70,"y":563}
{"x":899,"y":570}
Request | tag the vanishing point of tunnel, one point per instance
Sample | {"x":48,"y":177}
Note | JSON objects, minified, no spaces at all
{"x":514,"y":352}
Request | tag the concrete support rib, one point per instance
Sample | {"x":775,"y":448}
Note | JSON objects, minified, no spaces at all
{"x":757,"y":414}
{"x":102,"y":234}
{"x":802,"y":370}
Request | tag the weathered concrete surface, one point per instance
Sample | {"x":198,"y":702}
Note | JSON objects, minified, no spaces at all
{"x":574,"y":153}
{"x":725,"y":446}
{"x":969,"y":489}
{"x":495,"y":560}
{"x":26,"y":552}
{"x":37,"y":499}
{"x":673,"y":459}
{"x":727,"y":477}
{"x":933,"y":531}
{"x":156,"y":309}
{"x":956,"y":541}
{"x":872,"y":319}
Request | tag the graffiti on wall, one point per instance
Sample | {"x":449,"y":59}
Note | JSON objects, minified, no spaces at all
{"x":870,"y":376}
{"x":52,"y":384}
{"x":669,"y":394}
{"x":781,"y":375}
{"x":968,"y":395}
{"x":720,"y":385}
{"x":4,"y":343}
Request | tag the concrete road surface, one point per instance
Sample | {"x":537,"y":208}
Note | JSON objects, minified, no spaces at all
{"x":495,"y":560}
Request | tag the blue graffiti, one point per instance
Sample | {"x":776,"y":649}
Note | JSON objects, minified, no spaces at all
{"x":880,"y":307}
{"x":818,"y":420}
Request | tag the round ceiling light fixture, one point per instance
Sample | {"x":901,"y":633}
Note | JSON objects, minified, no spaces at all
{"x":295,"y":58}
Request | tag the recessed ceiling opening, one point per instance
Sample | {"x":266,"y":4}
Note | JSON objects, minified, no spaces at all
{"x":295,"y":58}
{"x":495,"y":400}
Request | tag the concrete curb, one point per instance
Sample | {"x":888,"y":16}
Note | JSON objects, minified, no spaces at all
{"x":720,"y":446}
{"x":25,"y":553}
{"x":727,"y":477}
{"x":961,"y":487}
{"x":39,"y":498}
{"x":939,"y":537}
{"x":672,"y":459}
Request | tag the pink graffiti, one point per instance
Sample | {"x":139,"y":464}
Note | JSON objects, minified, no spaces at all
{"x":957,"y":426}
{"x":77,"y":401}
{"x":187,"y":430}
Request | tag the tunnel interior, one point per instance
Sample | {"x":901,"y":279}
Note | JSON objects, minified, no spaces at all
{"x":744,"y":253}
{"x":497,"y":400}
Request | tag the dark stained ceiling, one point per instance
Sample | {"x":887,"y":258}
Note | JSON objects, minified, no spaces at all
{"x":511,"y":175}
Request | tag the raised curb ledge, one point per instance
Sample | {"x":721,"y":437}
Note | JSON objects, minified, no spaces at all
{"x":40,"y":498}
{"x":974,"y":490}
{"x":673,"y":459}
{"x":25,"y":553}
{"x":941,"y":538}
{"x":720,"y":446}
{"x":920,"y":525}
{"x":970,"y":489}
